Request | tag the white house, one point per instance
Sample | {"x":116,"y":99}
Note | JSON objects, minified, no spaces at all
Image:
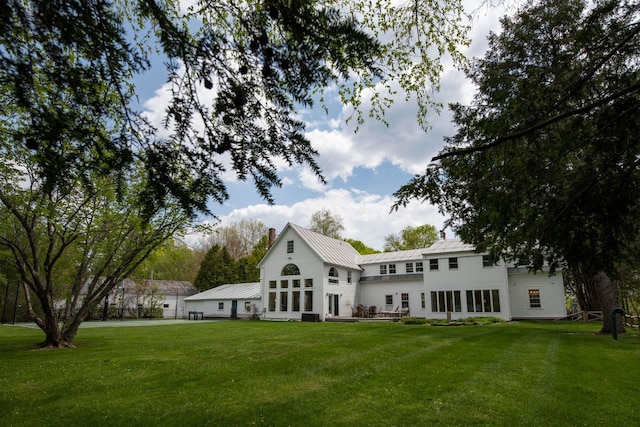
{"x":309,"y":276}
{"x":308,"y":273}
{"x":237,"y":301}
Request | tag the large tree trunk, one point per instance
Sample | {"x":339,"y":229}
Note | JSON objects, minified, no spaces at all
{"x":582,"y":286}
{"x":54,"y":336}
{"x":608,"y":296}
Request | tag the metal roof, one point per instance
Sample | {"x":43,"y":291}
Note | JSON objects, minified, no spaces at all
{"x":340,"y":253}
{"x":167,"y":287}
{"x":232,"y":291}
{"x":448,"y":246}
{"x":330,"y":250}
{"x":410,"y":255}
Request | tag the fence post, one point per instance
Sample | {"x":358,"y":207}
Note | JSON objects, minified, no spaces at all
{"x":614,"y":312}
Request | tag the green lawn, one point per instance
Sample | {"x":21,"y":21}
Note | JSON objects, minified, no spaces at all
{"x":323,"y":374}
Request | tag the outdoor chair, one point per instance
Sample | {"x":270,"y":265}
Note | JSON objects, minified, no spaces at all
{"x":360,"y":311}
{"x":392,"y":313}
{"x":372,"y":311}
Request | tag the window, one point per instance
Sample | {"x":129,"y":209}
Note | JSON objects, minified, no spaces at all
{"x":308,"y":283}
{"x":290,"y":270}
{"x":295,"y":303}
{"x":409,"y":267}
{"x":392,"y":269}
{"x":388,"y":301}
{"x":422,"y":300}
{"x":405,"y":300}
{"x":272,"y":301}
{"x":534,"y":298}
{"x":296,"y":283}
{"x":486,"y":300}
{"x":290,"y":246}
{"x":166,"y":306}
{"x":419,"y":268}
{"x":247,"y":305}
{"x":495,"y":297}
{"x":349,"y":276}
{"x":221,"y":305}
{"x":333,"y":275}
{"x":284,"y":301}
{"x":444,"y":301}
{"x":453,"y":263}
{"x":383,"y":269}
{"x":486,"y":261}
{"x":308,"y":300}
{"x":272,"y":284}
{"x":284,"y":284}
{"x":433,"y":264}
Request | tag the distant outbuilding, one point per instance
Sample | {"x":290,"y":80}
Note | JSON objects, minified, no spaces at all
{"x":232,"y":301}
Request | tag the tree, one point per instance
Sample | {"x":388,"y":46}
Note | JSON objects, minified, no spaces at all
{"x":71,"y":248}
{"x":410,"y":237}
{"x":361,"y":247}
{"x":326,"y":223}
{"x":239,"y":238}
{"x":173,"y":260}
{"x":544,"y":165}
{"x":218,"y":268}
{"x":248,"y":266}
{"x":238,"y":71}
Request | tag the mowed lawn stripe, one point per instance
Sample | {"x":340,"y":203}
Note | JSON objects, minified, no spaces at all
{"x":270,"y":373}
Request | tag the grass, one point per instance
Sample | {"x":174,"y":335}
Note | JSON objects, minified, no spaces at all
{"x":317,"y":374}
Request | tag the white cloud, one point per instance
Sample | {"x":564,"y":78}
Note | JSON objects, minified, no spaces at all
{"x":366,"y":216}
{"x":402,"y":143}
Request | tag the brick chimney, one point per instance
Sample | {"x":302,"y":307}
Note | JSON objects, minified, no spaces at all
{"x":443,"y":235}
{"x":272,"y":237}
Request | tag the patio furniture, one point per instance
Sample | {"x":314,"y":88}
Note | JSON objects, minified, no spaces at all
{"x":405,"y":312}
{"x":372,"y":311}
{"x":392,"y":313}
{"x":360,"y":310}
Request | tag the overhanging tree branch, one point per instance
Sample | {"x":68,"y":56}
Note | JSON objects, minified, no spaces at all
{"x":538,"y":126}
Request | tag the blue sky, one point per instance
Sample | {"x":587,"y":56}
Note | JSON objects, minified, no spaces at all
{"x":363,"y":169}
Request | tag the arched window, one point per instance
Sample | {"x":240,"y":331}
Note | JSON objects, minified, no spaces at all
{"x":333,"y":275}
{"x":290,"y":270}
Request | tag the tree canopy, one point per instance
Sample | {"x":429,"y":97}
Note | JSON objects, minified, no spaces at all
{"x":544,"y":165}
{"x":326,"y":223}
{"x":238,"y":72}
{"x":70,"y":249}
{"x":173,"y":260}
{"x":219,"y":267}
{"x":240,"y":238}
{"x":410,"y":237}
{"x":361,"y":247}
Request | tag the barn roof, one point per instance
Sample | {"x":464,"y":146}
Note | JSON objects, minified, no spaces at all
{"x":231,"y":291}
{"x":167,"y":287}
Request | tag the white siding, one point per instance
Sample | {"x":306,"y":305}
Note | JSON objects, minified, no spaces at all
{"x":315,"y":255}
{"x":211,"y":308}
{"x":310,"y":266}
{"x":170,"y":311}
{"x":552,"y":301}
{"x":374,"y":293}
{"x":469,"y":276}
